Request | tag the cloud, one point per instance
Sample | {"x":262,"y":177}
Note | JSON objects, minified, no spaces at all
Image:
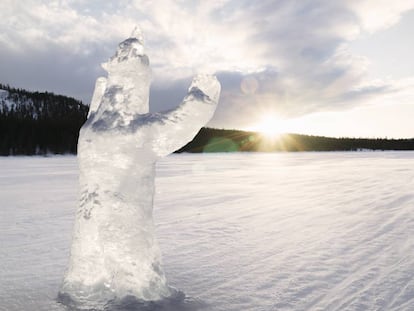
{"x":374,"y":15}
{"x":290,"y":58}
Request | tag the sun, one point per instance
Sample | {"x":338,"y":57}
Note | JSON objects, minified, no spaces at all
{"x":269,"y":126}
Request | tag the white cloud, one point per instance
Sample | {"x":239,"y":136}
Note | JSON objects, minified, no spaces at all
{"x":296,"y":53}
{"x":375,"y":15}
{"x":38,"y":24}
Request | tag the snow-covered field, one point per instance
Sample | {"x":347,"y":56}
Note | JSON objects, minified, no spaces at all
{"x":288,"y":231}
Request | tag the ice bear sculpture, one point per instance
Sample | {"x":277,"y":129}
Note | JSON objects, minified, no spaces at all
{"x":114,"y":251}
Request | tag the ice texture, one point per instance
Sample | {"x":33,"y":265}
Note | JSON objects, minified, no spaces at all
{"x":114,"y":253}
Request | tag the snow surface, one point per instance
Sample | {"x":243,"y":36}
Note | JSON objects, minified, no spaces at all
{"x":5,"y":103}
{"x":3,"y":93}
{"x":248,"y":231}
{"x":115,"y":255}
{"x":9,"y":102}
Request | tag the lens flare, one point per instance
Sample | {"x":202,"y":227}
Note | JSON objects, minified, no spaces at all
{"x":269,"y":126}
{"x":249,"y":85}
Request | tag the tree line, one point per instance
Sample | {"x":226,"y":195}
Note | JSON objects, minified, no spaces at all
{"x":39,"y":123}
{"x":219,"y":140}
{"x":35,"y":123}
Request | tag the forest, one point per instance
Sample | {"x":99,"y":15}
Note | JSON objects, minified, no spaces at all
{"x":35,"y":123}
{"x":219,"y":140}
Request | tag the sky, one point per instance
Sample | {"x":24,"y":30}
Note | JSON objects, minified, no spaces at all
{"x":322,"y":67}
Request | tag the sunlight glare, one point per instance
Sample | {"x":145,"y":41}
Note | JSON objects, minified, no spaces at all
{"x":269,"y":126}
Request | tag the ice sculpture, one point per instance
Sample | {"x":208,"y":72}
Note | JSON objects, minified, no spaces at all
{"x":114,"y":251}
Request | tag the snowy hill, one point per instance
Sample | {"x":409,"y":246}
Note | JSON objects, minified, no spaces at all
{"x":38,"y":122}
{"x":5,"y":103}
{"x":3,"y":94}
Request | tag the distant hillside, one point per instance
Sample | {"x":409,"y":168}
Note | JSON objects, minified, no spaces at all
{"x":34,"y":123}
{"x":38,"y":123}
{"x":216,"y":140}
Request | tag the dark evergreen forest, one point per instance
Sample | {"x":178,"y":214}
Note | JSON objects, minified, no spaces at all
{"x":215,"y":140}
{"x":34,"y":123}
{"x":39,"y":123}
